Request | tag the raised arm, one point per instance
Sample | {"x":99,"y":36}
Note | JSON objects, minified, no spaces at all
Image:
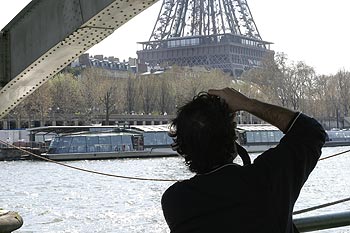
{"x":273,"y":114}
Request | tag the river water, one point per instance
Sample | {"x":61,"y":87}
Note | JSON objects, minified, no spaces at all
{"x":53,"y":198}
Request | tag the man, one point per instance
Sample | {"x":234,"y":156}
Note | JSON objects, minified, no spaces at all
{"x":224,"y":196}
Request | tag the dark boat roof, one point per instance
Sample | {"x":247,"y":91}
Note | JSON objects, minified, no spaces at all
{"x":91,"y":128}
{"x":151,"y":128}
{"x":257,"y":127}
{"x":73,"y":129}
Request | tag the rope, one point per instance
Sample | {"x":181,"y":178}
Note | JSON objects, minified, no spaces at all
{"x":86,"y":170}
{"x":166,"y":180}
{"x":320,"y":206}
{"x":330,"y":156}
{"x":120,"y":176}
{"x":329,"y":203}
{"x":170,"y":180}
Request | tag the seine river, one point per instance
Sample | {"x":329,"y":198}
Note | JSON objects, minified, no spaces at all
{"x":52,"y":198}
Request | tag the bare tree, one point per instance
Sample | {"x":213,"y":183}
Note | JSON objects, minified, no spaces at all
{"x":165,"y":96}
{"x":64,"y":95}
{"x":271,"y":78}
{"x":147,"y":92}
{"x":343,"y":85}
{"x":108,"y":96}
{"x":35,"y":106}
{"x":131,"y":93}
{"x":299,"y":79}
{"x":90,"y":84}
{"x":324,"y":104}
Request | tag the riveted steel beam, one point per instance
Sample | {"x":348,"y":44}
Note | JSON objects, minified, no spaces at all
{"x":4,"y":59}
{"x":47,"y":35}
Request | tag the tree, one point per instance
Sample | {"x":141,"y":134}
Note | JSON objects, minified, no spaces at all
{"x":325,"y":104}
{"x":147,"y":92}
{"x":343,"y":86}
{"x":300,"y":78}
{"x":64,"y":95}
{"x":131,"y":93}
{"x":271,"y":78}
{"x":165,"y":97}
{"x":108,"y":96}
{"x":35,"y":106}
{"x":89,"y":89}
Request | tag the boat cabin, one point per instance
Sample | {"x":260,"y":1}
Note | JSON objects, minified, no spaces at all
{"x":90,"y":142}
{"x":155,"y":136}
{"x":258,"y":134}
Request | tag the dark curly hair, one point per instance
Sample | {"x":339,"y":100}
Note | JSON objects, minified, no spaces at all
{"x":204,"y":133}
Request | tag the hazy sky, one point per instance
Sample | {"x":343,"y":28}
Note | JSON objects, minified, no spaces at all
{"x":313,"y":31}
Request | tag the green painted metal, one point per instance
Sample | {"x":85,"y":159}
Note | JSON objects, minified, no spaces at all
{"x":321,"y":222}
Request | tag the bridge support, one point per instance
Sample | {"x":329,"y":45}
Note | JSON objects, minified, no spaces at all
{"x":48,"y":35}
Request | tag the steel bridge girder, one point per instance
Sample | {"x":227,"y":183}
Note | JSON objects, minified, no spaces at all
{"x":48,"y":35}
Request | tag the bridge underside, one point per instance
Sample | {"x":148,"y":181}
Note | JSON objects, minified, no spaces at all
{"x":228,"y":52}
{"x":47,"y":35}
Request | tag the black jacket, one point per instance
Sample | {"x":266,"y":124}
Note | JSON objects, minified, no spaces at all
{"x":256,"y":198}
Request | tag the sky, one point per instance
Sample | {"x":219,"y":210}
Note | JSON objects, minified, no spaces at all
{"x":313,"y":31}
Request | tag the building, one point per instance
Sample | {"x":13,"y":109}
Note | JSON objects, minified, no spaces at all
{"x":214,"y":34}
{"x":110,"y":63}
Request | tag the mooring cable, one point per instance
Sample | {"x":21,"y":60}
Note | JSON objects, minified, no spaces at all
{"x":321,"y":206}
{"x":86,"y":170}
{"x":329,"y":203}
{"x":169,"y":180}
{"x":333,"y":155}
{"x":113,"y":175}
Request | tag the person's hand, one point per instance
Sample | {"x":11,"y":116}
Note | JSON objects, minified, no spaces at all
{"x":235,"y":100}
{"x":273,"y":114}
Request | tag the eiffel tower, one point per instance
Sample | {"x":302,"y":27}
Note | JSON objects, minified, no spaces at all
{"x":212,"y":33}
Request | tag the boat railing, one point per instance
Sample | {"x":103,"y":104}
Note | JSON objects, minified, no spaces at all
{"x":322,"y":222}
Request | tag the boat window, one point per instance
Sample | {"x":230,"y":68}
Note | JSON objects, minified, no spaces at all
{"x":116,"y":140}
{"x":169,"y":140}
{"x":257,"y":137}
{"x":154,"y":139}
{"x":64,"y":144}
{"x":347,"y":135}
{"x":126,"y":143}
{"x":161,"y":138}
{"x":242,"y":137}
{"x":104,"y":143}
{"x":264,"y":137}
{"x":78,"y":145}
{"x":54,"y":142}
{"x":104,"y":139}
{"x":117,"y":143}
{"x":343,"y":136}
{"x":149,"y":139}
{"x":331,"y":135}
{"x":338,"y":135}
{"x":137,"y":142}
{"x":278,"y":135}
{"x":271,"y":136}
{"x":157,"y":138}
{"x":91,"y":142}
{"x":250,"y":137}
{"x":53,"y":145}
